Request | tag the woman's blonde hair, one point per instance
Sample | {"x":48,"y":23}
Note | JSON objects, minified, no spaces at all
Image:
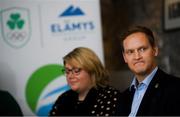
{"x":87,"y":60}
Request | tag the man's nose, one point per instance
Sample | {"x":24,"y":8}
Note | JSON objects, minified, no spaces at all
{"x":137,"y":55}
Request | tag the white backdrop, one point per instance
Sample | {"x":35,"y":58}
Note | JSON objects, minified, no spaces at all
{"x":35,"y":35}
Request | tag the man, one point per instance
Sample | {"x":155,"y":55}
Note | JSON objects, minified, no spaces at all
{"x":152,"y":91}
{"x":8,"y":105}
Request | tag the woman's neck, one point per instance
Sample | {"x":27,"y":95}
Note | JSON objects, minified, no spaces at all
{"x":83,"y":94}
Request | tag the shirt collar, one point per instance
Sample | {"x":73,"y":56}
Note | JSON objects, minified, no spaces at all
{"x":146,"y":81}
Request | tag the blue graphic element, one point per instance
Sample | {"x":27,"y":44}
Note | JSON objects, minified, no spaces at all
{"x":61,"y":89}
{"x":44,"y":110}
{"x":71,"y":11}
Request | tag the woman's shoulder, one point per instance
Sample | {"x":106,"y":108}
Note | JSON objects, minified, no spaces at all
{"x":67,"y":95}
{"x":107,"y":101}
{"x":108,"y":91}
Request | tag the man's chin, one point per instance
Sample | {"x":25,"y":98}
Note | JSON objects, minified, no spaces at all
{"x":140,"y":72}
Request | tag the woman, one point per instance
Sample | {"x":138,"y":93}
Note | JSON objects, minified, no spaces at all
{"x":90,"y":94}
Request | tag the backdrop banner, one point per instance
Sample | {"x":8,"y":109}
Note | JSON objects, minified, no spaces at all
{"x":34,"y":36}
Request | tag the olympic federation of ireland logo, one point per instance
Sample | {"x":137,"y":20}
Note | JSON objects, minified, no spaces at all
{"x":15,"y":26}
{"x":43,"y":88}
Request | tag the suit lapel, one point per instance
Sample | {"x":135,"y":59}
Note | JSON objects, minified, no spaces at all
{"x":127,"y":98}
{"x":151,"y":96}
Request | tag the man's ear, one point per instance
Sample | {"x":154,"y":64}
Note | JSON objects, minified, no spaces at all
{"x":156,"y":51}
{"x":124,"y":57}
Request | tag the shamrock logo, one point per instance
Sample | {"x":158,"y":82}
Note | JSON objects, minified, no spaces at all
{"x":15,"y":21}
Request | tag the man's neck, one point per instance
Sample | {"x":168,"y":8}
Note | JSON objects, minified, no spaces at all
{"x":141,"y":77}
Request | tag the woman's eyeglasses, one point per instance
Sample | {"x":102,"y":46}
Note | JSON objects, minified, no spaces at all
{"x":75,"y":71}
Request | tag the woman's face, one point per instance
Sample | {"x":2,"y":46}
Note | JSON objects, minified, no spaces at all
{"x":78,"y":79}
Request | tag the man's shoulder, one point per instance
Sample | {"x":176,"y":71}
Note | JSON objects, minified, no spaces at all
{"x":168,"y":77}
{"x":126,"y":92}
{"x":167,"y":80}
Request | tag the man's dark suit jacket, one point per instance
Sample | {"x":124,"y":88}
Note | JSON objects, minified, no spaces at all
{"x":8,"y":105}
{"x":162,"y":97}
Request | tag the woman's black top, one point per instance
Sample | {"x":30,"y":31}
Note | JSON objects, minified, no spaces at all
{"x":98,"y":102}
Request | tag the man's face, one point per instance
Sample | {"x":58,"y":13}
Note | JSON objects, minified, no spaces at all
{"x":139,"y":54}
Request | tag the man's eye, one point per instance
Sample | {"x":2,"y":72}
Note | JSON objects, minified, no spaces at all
{"x":142,"y":49}
{"x":129,"y":52}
